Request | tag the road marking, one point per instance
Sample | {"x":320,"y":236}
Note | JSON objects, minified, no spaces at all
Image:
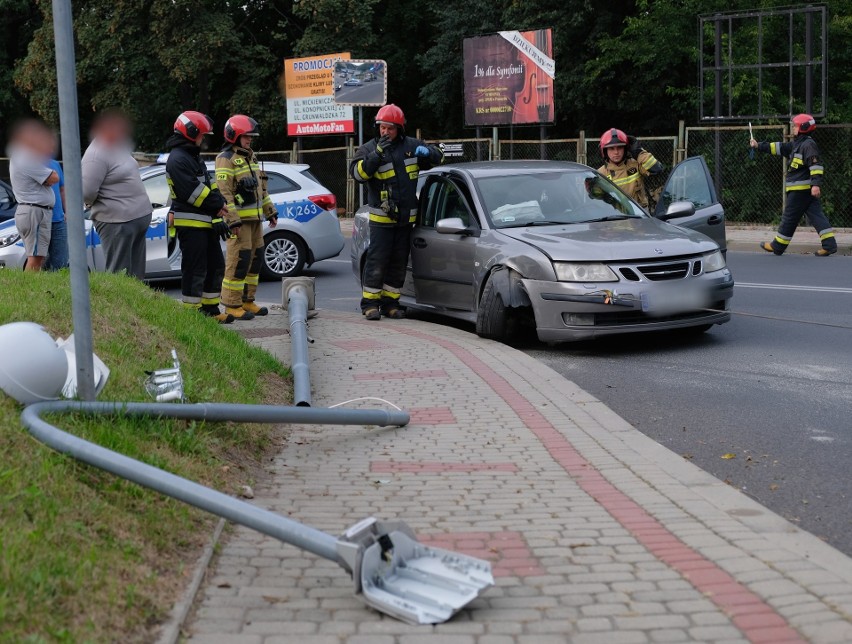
{"x":795,"y":287}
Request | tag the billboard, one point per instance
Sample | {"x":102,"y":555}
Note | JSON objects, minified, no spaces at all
{"x":361,"y":82}
{"x":508,"y":78}
{"x":309,"y":89}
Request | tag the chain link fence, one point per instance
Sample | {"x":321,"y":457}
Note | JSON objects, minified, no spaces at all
{"x":750,"y":189}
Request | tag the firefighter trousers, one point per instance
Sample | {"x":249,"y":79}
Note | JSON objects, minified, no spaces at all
{"x":384,"y":270}
{"x":202,"y":266}
{"x":801,"y":202}
{"x":242,"y":264}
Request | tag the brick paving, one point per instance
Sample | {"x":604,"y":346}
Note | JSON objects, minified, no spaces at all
{"x":596,"y":533}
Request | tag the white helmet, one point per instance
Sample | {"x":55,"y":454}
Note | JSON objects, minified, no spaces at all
{"x":33,"y":367}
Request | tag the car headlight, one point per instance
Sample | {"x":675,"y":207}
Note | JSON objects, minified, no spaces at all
{"x":583,"y":272}
{"x":714,"y":261}
{"x":9,"y":238}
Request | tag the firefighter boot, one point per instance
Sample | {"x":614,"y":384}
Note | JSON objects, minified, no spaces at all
{"x":254,"y":309}
{"x":769,"y":248}
{"x":373,"y":314}
{"x":212,"y":311}
{"x":825,"y":252}
{"x":239,"y":313}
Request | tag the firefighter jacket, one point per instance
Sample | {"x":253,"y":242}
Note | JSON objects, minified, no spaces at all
{"x":628,"y":174}
{"x":804,"y":167}
{"x":392,"y":178}
{"x":195,"y":198}
{"x":243,"y":184}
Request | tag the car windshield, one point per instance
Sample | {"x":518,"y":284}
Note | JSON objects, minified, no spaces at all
{"x":554,"y":197}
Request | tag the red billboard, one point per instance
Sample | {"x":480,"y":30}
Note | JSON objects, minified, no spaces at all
{"x":508,"y":78}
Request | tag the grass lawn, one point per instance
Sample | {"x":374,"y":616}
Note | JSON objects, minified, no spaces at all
{"x":84,"y":556}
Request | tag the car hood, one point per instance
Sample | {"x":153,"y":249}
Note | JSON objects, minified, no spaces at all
{"x":627,"y":239}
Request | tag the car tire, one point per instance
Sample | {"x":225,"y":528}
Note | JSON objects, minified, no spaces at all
{"x":492,"y":317}
{"x":284,"y":255}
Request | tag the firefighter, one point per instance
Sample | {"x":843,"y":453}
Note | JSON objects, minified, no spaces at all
{"x":803,"y":186}
{"x":197,"y":212}
{"x":390,"y":164}
{"x":626,"y":164}
{"x":244,"y":186}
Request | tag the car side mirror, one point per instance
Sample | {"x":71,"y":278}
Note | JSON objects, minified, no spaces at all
{"x":451,"y":226}
{"x":678,"y":209}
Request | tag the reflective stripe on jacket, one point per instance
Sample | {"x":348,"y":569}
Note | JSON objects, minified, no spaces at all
{"x":391,"y":179}
{"x":804,"y":166}
{"x":233,"y":165}
{"x":195,"y":198}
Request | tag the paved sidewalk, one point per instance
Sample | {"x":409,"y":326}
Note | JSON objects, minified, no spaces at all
{"x":597,"y":534}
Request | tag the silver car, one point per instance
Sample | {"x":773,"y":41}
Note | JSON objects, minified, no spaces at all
{"x":557,"y":247}
{"x":308,"y":229}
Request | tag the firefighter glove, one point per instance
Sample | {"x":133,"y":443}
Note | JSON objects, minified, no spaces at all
{"x":422,"y":151}
{"x":634,"y":146}
{"x":382,"y":145}
{"x":221,"y":229}
{"x":273,"y":219}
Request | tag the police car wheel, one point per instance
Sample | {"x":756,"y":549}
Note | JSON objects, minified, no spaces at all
{"x":284,"y":255}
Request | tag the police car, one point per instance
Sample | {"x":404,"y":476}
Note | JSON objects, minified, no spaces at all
{"x":308,"y":229}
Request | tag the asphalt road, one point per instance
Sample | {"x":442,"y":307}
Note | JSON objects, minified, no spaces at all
{"x":775,"y":393}
{"x":368,"y":93}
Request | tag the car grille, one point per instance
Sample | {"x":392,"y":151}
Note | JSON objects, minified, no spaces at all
{"x":637,"y":317}
{"x":663,"y":272}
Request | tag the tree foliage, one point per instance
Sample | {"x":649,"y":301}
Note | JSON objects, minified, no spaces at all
{"x":631,"y":63}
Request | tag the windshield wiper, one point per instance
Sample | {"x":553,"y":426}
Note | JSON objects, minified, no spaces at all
{"x":611,"y":218}
{"x":539,"y":222}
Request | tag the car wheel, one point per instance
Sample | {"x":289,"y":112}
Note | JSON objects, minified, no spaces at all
{"x":284,"y":255}
{"x":492,"y":316}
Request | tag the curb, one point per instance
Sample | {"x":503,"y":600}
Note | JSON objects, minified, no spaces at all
{"x":171,"y":629}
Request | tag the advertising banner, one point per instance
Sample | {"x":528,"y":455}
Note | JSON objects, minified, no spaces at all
{"x":361,"y":82}
{"x":508,"y":78}
{"x":309,"y":89}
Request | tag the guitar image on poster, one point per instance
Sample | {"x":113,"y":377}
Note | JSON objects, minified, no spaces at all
{"x":508,"y":78}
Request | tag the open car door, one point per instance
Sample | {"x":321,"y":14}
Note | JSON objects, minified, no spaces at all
{"x":690,"y":181}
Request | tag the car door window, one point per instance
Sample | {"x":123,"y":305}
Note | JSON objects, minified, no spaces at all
{"x":157,"y":189}
{"x":429,"y":203}
{"x":445,"y":199}
{"x":689,"y":181}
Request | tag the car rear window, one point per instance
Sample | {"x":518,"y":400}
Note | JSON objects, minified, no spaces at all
{"x":310,"y":175}
{"x":278,"y":183}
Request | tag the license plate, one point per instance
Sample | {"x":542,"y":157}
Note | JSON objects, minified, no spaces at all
{"x":673,"y":301}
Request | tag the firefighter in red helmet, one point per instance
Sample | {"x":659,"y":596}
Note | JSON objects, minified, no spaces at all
{"x":389,"y":165}
{"x":244,"y":186}
{"x":803,"y":186}
{"x":196,"y":213}
{"x":626,"y":164}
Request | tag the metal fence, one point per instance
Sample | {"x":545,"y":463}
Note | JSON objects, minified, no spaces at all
{"x":751,"y":189}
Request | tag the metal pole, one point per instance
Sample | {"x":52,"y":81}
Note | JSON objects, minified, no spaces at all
{"x":809,"y":70}
{"x":478,"y":148}
{"x":495,"y":144}
{"x":542,"y":133}
{"x":360,"y":143}
{"x":297,"y":308}
{"x":287,"y":530}
{"x":717,"y":151}
{"x":69,"y":124}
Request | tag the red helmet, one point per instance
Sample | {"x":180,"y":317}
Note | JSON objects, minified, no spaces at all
{"x":240,"y":125}
{"x":190,"y":124}
{"x":612,"y":138}
{"x":391,"y":114}
{"x":805,"y":122}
